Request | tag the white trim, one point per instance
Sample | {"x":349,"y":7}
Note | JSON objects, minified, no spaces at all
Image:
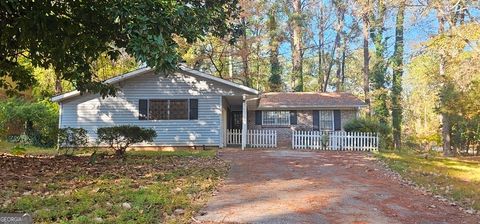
{"x":264,"y":112}
{"x":144,"y":70}
{"x":222,"y":132}
{"x":113,"y":80}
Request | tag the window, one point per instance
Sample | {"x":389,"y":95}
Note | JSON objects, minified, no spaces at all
{"x":178,"y":110}
{"x":168,"y":109}
{"x":325,"y":120}
{"x":275,"y":117}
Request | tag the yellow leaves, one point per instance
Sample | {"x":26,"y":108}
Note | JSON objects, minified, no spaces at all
{"x":456,"y":40}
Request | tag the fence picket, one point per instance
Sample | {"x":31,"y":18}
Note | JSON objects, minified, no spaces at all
{"x":336,"y":140}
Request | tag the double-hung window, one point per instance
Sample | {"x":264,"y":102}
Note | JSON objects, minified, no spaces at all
{"x":325,"y":120}
{"x":275,"y":117}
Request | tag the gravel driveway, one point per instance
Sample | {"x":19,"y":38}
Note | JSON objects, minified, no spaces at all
{"x":319,"y":187}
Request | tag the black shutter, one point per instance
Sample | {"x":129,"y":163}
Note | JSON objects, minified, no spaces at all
{"x":293,"y":117}
{"x":337,"y":120}
{"x":258,"y":117}
{"x":142,"y":109}
{"x":193,"y":109}
{"x":316,"y":120}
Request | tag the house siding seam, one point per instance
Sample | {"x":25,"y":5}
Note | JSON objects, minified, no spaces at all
{"x":91,"y":111}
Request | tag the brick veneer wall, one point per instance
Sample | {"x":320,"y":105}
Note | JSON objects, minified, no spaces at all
{"x":304,"y":122}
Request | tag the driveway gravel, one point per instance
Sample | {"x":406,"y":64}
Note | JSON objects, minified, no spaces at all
{"x":282,"y":186}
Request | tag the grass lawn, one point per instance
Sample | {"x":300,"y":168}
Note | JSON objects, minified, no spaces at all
{"x":455,"y":178}
{"x":147,"y":187}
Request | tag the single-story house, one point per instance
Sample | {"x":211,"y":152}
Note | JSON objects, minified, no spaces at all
{"x":192,"y":108}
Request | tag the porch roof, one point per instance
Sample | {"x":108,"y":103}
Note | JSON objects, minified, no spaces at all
{"x":310,"y":100}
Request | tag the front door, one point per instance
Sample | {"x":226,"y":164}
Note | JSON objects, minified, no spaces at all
{"x":236,"y":119}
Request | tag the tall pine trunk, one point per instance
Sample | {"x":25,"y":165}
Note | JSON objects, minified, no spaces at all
{"x":366,"y":62}
{"x":244,"y":52}
{"x":397,"y":77}
{"x":275,"y":80}
{"x":379,"y":105}
{"x":297,"y":62}
{"x":321,"y":31}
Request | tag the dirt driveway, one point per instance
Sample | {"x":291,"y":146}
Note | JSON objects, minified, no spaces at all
{"x":320,"y":187}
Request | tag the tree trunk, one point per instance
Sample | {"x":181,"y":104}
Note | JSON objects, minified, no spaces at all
{"x":338,"y":37}
{"x":58,"y":82}
{"x":446,"y":124}
{"x":321,"y":30}
{"x":275,"y":80}
{"x":379,"y":71}
{"x":297,"y":70}
{"x":244,"y":52}
{"x":366,"y":62}
{"x":397,"y":77}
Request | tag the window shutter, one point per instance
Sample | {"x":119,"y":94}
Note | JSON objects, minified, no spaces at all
{"x":316,"y":120}
{"x":142,"y":109}
{"x":193,"y":109}
{"x":258,"y":117}
{"x":337,"y":120}
{"x":293,"y":117}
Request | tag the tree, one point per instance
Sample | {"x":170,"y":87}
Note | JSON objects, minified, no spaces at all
{"x":297,"y":53}
{"x":397,"y":77}
{"x":379,"y":71}
{"x":69,"y":35}
{"x":275,"y":79}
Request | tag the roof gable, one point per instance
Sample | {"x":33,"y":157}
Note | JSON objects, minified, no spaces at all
{"x":147,"y":70}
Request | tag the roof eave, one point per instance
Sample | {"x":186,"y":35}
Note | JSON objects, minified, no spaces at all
{"x":310,"y":107}
{"x":113,"y":80}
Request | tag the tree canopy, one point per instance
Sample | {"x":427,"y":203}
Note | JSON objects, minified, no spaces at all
{"x":68,"y":36}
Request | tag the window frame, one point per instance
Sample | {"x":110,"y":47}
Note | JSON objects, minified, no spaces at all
{"x":264,"y":112}
{"x":168,"y":109}
{"x":320,"y":120}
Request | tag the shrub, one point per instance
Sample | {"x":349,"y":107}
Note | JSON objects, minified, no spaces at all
{"x":119,"y":138}
{"x":370,"y":125}
{"x":36,"y":120}
{"x":70,"y":138}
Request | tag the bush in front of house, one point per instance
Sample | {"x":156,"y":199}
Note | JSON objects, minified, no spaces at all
{"x":119,"y":138}
{"x":72,"y":138}
{"x":373,"y":126}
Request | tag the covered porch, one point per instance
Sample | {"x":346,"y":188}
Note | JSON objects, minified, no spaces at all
{"x":235,"y":131}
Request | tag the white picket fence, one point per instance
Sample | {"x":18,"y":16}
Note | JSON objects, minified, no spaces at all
{"x":255,"y":138}
{"x":335,"y":140}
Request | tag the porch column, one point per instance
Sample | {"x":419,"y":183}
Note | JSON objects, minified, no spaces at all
{"x":244,"y":122}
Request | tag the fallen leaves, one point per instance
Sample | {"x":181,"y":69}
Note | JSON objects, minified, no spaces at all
{"x":139,"y":189}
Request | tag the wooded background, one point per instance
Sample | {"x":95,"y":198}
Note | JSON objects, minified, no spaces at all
{"x":414,"y":62}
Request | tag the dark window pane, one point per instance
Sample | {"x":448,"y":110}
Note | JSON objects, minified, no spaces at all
{"x":158,"y":110}
{"x":178,"y":109}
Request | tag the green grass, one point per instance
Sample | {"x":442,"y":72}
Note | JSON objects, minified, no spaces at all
{"x":72,"y":190}
{"x":6,"y":147}
{"x":455,"y":178}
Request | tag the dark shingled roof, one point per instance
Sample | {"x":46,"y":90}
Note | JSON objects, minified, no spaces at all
{"x":280,"y":100}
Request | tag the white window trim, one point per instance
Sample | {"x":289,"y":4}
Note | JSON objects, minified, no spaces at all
{"x":333,"y":121}
{"x":266,"y":111}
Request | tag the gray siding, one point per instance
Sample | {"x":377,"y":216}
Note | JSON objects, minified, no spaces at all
{"x":91,"y":111}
